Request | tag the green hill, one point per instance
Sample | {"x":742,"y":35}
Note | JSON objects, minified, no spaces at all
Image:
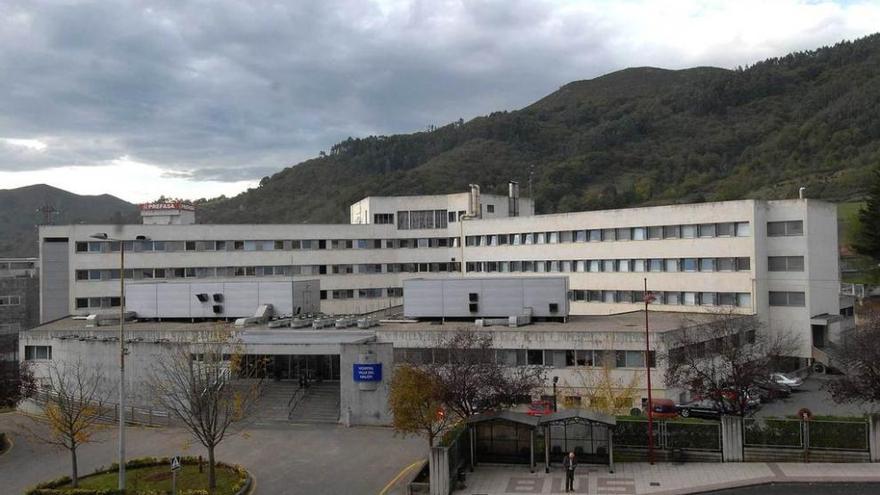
{"x":19,"y":215}
{"x":637,"y":136}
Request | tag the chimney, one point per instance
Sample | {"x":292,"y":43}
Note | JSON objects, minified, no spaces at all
{"x":513,"y":198}
{"x":802,"y":193}
{"x":474,"y":209}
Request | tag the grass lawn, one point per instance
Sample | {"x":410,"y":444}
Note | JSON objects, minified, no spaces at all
{"x":159,"y":478}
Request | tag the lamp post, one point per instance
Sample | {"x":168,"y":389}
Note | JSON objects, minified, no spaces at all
{"x":555,"y":379}
{"x":649,"y":298}
{"x":105,"y":237}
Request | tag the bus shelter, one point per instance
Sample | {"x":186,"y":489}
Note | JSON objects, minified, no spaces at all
{"x":510,"y":437}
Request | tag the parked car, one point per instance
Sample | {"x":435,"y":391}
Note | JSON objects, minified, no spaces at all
{"x":769,"y":390}
{"x":540,"y":408}
{"x":703,"y":408}
{"x":789,"y":381}
{"x":663,"y":408}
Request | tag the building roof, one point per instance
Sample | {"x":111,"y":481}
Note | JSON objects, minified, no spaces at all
{"x":658,"y":322}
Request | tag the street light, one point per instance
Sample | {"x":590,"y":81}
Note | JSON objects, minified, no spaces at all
{"x":555,"y":379}
{"x":104,"y":237}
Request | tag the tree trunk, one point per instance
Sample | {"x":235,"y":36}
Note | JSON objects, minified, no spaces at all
{"x":74,"y":476}
{"x":212,"y":480}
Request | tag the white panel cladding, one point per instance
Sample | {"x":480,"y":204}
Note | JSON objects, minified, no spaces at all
{"x":540,"y":293}
{"x":141,"y":298}
{"x":424,"y":298}
{"x":278,"y":294}
{"x":172,"y":300}
{"x":199,"y":309}
{"x":495,"y":297}
{"x":456,"y":296}
{"x":504,"y":298}
{"x":238,"y":298}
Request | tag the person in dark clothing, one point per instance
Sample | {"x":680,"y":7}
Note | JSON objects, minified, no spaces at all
{"x":569,"y":463}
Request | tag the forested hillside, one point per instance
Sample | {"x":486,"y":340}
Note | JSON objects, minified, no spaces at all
{"x":19,"y":215}
{"x":637,"y":136}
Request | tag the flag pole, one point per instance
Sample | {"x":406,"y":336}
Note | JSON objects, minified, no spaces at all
{"x":648,"y":298}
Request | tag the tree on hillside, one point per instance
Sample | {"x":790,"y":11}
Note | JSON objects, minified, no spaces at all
{"x":868,"y":241}
{"x":416,"y":403}
{"x":473,"y":380}
{"x":208,"y":387}
{"x":721,"y":359}
{"x":859,"y":359}
{"x":75,"y":401}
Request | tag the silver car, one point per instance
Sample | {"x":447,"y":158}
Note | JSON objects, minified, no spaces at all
{"x":789,"y":381}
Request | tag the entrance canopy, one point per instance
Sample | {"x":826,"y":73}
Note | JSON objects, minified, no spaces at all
{"x":515,"y":437}
{"x":301,"y":342}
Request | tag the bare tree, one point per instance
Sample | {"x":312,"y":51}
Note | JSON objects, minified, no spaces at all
{"x":75,"y":401}
{"x":859,"y":359}
{"x":722,"y":358}
{"x":208,"y":387}
{"x":473,"y":380}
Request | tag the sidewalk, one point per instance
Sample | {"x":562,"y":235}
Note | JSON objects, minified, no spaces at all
{"x":661,"y":478}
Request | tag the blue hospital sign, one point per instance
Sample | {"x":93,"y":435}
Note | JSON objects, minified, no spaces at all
{"x":367,"y":372}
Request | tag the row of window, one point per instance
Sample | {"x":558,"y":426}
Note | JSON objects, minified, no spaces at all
{"x":785,"y":263}
{"x":423,"y":219}
{"x":706,"y":230}
{"x":618,"y":265}
{"x":16,"y":265}
{"x":368,"y":293}
{"x":371,"y":293}
{"x":533,"y":357}
{"x":737,"y":299}
{"x":276,"y":245}
{"x":33,"y":352}
{"x":10,"y":300}
{"x":264,"y":271}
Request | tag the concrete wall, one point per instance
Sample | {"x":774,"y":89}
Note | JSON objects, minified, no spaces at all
{"x":496,"y":297}
{"x":55,"y":278}
{"x":365,"y":403}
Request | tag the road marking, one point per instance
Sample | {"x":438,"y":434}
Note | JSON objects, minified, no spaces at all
{"x":399,"y":475}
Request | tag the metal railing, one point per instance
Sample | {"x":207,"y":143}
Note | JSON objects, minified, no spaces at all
{"x":109,"y":412}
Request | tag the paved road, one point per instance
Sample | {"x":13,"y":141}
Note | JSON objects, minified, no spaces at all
{"x":284,"y":458}
{"x":812,"y":396}
{"x":804,"y":489}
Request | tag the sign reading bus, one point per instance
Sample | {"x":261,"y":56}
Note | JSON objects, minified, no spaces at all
{"x":367,"y":372}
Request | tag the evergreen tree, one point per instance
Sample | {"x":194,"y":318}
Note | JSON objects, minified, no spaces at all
{"x":869,"y":222}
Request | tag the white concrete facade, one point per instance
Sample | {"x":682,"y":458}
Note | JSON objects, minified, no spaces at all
{"x":696,"y":257}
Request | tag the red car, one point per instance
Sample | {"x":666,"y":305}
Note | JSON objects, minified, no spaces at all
{"x":540,"y":408}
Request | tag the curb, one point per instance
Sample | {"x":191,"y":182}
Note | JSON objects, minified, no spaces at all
{"x":9,"y":446}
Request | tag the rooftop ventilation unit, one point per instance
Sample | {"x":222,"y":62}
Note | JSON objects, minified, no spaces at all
{"x":218,"y":298}
{"x":202,"y":297}
{"x":217,"y":308}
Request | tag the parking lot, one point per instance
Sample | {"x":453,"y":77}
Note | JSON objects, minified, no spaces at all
{"x":812,"y":396}
{"x":284,"y":458}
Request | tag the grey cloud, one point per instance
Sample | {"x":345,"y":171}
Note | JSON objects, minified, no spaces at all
{"x":231,"y":90}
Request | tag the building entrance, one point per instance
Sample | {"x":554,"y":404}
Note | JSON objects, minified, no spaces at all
{"x":312,"y":367}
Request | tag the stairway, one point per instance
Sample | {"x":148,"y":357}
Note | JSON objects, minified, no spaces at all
{"x":320,"y":404}
{"x":274,"y":403}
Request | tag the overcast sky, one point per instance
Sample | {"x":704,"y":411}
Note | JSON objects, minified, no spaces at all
{"x":198,"y":99}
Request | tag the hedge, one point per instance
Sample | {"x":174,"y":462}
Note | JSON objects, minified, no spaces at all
{"x":53,"y":487}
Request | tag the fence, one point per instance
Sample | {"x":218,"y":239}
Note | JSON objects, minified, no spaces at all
{"x":109,"y":412}
{"x":818,"y":440}
{"x":673,"y":440}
